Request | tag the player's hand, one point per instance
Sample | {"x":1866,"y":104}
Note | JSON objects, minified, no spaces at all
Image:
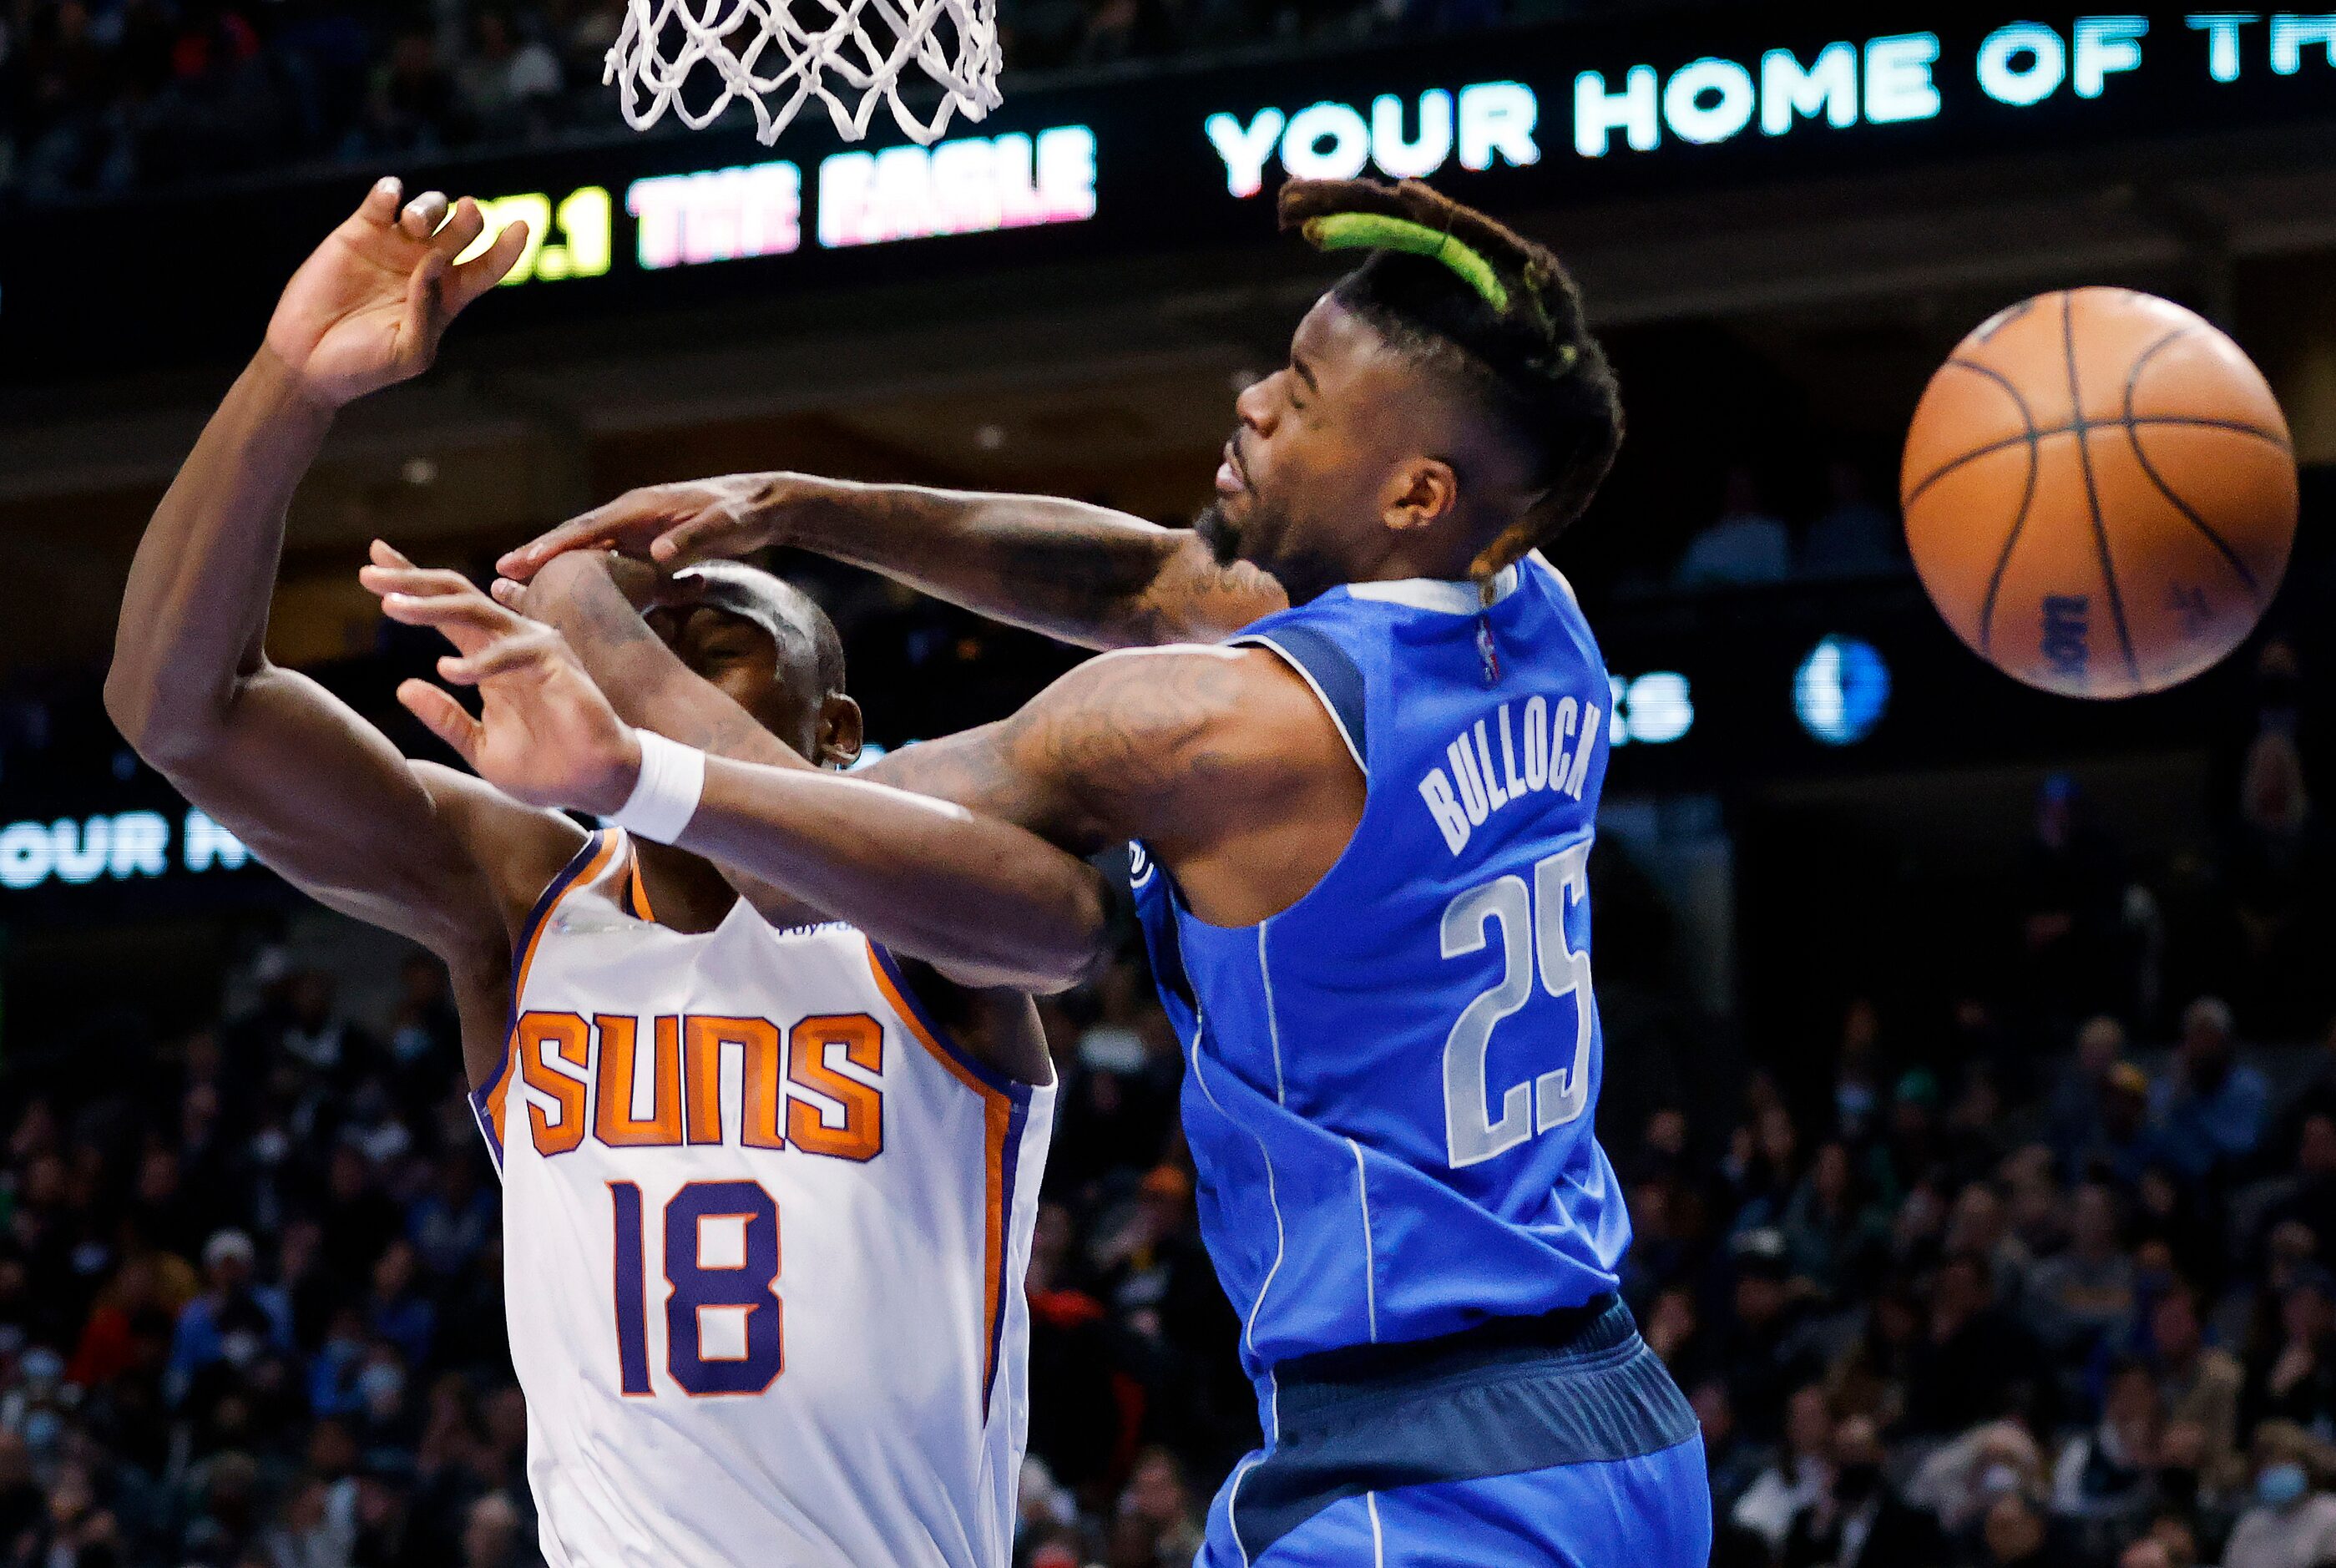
{"x":368,"y":307}
{"x":545,"y":733}
{"x":645,"y":585}
{"x":676,"y":524}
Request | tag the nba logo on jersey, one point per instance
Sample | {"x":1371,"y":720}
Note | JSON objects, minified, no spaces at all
{"x":765,"y":1230}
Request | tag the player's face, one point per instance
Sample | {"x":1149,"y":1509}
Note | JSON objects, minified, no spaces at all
{"x":1311,"y":474}
{"x":748,"y":666}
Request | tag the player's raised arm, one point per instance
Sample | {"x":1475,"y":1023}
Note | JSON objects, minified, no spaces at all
{"x":316,"y":792}
{"x":1085,"y":574}
{"x":579,"y":595}
{"x":987,"y":902}
{"x":594,"y":601}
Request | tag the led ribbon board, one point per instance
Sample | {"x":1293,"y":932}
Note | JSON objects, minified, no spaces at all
{"x":1525,"y":119}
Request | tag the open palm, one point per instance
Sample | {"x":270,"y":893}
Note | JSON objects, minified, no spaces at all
{"x":369,"y":305}
{"x":545,"y":734}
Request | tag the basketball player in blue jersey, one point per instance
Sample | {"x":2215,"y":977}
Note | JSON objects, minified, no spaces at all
{"x":1363,"y":820}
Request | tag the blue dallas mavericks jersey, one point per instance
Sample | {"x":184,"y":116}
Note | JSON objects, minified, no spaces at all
{"x":1389,"y":1084}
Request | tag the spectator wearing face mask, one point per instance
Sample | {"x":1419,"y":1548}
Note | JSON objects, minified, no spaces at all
{"x":1859,"y":1520}
{"x":2292,"y":1522}
{"x":36,"y":1407}
{"x":1799,"y":1477}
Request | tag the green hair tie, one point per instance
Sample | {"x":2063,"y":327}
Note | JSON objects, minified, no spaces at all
{"x":1375,"y":232}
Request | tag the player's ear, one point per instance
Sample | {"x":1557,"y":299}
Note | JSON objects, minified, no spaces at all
{"x":1421,"y":494}
{"x":841,"y":732}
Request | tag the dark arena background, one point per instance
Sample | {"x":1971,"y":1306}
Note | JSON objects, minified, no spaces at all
{"x":1969,"y":1051}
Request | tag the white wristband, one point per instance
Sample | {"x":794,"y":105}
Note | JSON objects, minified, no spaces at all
{"x":665,"y":797}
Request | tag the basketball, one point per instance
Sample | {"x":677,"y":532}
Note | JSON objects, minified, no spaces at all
{"x":2099,"y":492}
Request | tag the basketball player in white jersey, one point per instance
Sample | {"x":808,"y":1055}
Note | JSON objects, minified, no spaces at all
{"x":765,"y":1215}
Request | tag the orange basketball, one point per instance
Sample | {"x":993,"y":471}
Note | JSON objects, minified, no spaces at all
{"x":2099,"y":492}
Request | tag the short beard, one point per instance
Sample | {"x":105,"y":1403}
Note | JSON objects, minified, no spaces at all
{"x":1218,"y":532}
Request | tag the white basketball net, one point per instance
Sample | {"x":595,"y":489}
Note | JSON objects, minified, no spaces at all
{"x":777,"y":54}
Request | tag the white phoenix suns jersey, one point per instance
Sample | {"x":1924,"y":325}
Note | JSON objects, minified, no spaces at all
{"x":764,"y":1232}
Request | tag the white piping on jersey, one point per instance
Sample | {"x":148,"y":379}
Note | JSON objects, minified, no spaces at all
{"x":1378,"y":1541}
{"x":1232,"y":1503}
{"x":1370,"y":1248}
{"x":1319,"y":695}
{"x":1249,"y":1328}
{"x":1439,"y":594}
{"x":1272,"y":1021}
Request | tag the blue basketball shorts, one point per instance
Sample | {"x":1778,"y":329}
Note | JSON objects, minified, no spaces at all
{"x":1559,"y":1441}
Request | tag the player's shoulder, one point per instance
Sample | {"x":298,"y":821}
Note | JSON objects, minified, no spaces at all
{"x":518,"y":848}
{"x":1197,"y":696}
{"x":1138,"y":732}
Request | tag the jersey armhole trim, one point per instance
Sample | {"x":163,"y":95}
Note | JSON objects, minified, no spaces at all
{"x":1006,"y":1111}
{"x":487,"y":1105}
{"x":634,"y":900}
{"x":1565,"y":585}
{"x":968,"y":1068}
{"x":1334,"y":656}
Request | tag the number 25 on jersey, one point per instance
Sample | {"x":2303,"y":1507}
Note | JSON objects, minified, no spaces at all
{"x":1531,"y":923}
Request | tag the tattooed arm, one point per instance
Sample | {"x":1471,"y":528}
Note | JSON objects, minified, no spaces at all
{"x":1085,"y":574}
{"x":987,"y":903}
{"x":594,"y":602}
{"x":1221,"y":760}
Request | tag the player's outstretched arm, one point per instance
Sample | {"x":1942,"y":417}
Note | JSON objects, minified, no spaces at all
{"x":579,"y":596}
{"x":596,"y":601}
{"x":1085,"y":574}
{"x":315,"y":791}
{"x":1220,"y":759}
{"x":987,"y":902}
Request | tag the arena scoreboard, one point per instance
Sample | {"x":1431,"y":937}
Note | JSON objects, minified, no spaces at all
{"x":1155,"y":161}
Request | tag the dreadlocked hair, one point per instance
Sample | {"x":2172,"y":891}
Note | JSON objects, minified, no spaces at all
{"x":1493,"y":309}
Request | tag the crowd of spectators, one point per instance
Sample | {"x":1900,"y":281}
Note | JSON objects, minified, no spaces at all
{"x":2040,"y":1271}
{"x":251,"y":1299}
{"x":2053,"y":1284}
{"x":102,"y":96}
{"x":2089,"y":1327}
